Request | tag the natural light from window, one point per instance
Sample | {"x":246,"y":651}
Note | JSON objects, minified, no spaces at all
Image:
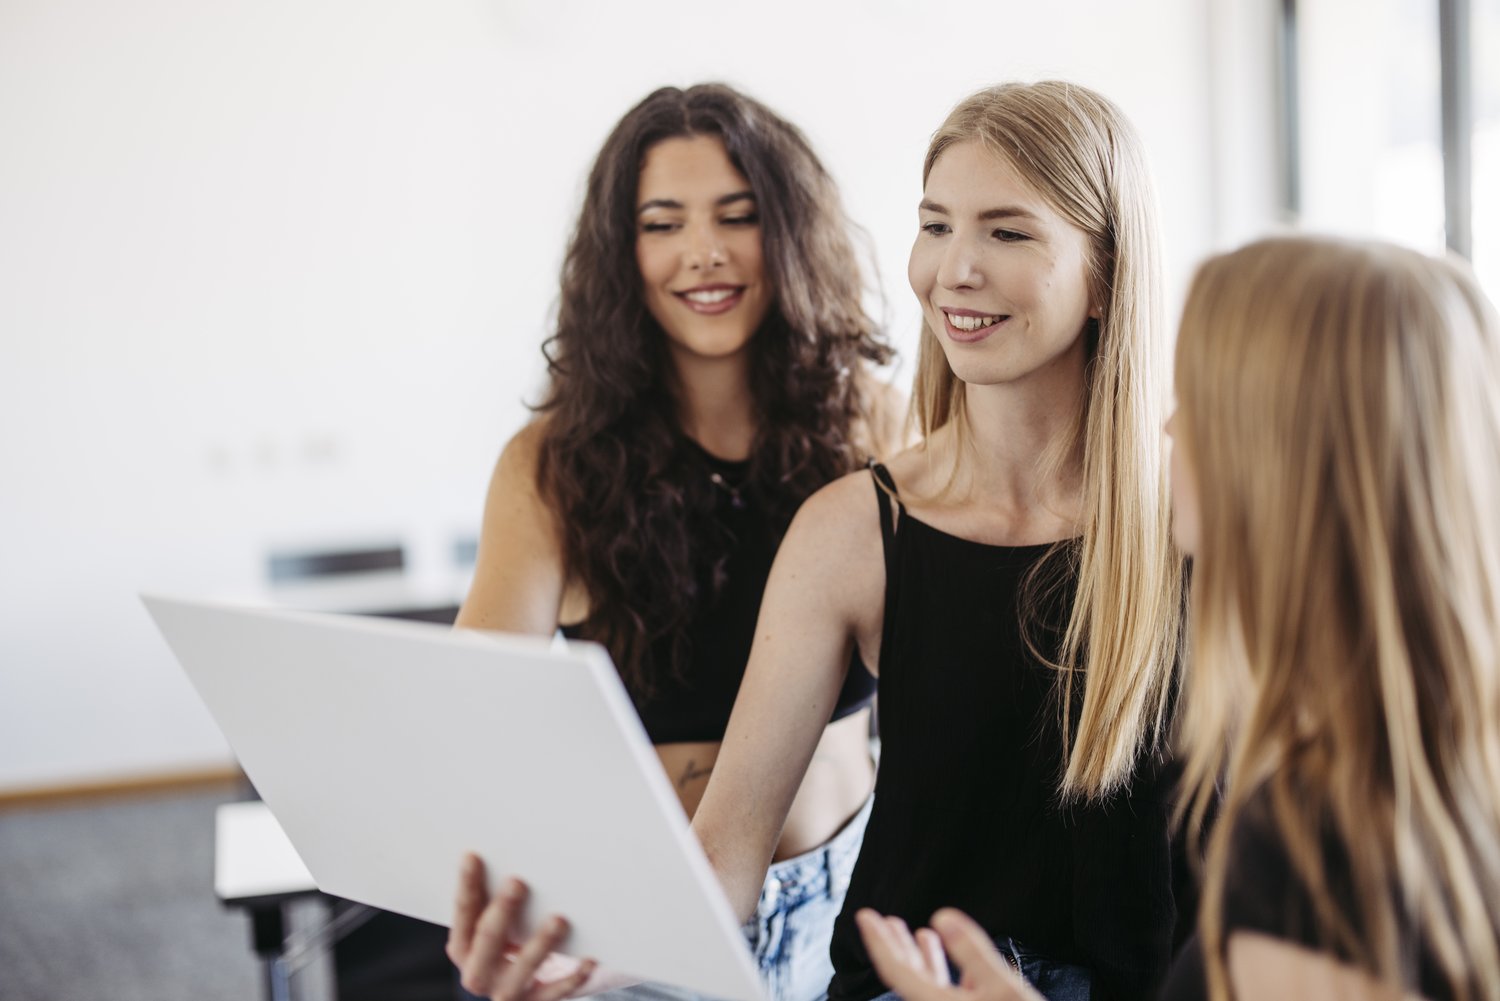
{"x":1486,"y":43}
{"x":1371,"y":129}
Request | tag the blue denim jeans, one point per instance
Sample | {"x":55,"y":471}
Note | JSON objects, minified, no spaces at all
{"x":793,"y":921}
{"x":1055,"y":981}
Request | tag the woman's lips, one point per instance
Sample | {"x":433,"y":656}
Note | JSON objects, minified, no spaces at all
{"x":711,"y":300}
{"x":969,"y":326}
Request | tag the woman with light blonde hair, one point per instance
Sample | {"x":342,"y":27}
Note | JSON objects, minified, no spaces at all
{"x":1012,"y":579}
{"x":1012,"y":576}
{"x":1337,"y":478}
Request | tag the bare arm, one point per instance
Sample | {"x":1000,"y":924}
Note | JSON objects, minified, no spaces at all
{"x":825,"y":593}
{"x":518,"y":587}
{"x":518,"y":574}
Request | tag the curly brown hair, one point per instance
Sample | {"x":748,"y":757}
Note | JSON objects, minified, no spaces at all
{"x":634,"y":505}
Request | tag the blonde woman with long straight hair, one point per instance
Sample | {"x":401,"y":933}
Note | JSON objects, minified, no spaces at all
{"x":1340,"y":407}
{"x":1337,"y":478}
{"x":1012,"y":578}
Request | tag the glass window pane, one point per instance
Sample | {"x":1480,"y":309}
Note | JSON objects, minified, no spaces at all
{"x":1486,"y":63}
{"x":1371,"y":129}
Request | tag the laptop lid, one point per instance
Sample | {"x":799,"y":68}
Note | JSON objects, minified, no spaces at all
{"x":387,"y":749}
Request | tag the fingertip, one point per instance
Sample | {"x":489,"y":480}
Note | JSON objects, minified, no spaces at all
{"x":949,"y":919}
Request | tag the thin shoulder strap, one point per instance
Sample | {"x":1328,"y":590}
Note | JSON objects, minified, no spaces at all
{"x":885,"y":492}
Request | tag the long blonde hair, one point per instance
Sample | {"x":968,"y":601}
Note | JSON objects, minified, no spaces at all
{"x":1340,"y":403}
{"x":1083,"y":156}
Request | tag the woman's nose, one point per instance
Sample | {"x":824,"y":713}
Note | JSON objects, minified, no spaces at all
{"x":705,"y":249}
{"x":959,"y":267}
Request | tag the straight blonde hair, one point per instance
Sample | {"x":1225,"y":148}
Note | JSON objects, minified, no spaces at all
{"x":1340,"y":403}
{"x":1082,"y":155}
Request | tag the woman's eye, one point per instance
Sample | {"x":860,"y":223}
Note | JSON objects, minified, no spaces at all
{"x":935,"y":228}
{"x":657,"y":227}
{"x":745,"y":219}
{"x":1010,"y":236}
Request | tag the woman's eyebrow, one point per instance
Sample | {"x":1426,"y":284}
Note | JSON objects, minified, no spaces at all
{"x":672,"y":203}
{"x":988,"y":215}
{"x":1009,"y":212}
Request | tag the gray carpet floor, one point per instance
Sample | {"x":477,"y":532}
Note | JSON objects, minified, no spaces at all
{"x":114,"y":900}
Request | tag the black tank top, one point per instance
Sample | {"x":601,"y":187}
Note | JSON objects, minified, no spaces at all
{"x":1264,"y":893}
{"x":696,"y":706}
{"x":966,"y":812}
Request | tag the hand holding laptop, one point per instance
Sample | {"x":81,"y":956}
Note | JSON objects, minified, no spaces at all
{"x":481,"y":943}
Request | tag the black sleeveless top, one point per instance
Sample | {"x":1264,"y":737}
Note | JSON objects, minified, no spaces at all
{"x":966,"y":812}
{"x":1264,"y":893}
{"x":696,"y":706}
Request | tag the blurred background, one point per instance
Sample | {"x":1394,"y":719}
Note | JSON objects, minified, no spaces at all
{"x":274,"y":275}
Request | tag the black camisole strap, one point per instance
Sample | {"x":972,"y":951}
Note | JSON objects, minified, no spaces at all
{"x":885,"y":490}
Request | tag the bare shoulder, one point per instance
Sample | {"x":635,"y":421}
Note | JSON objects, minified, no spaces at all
{"x":831,"y":565}
{"x":520,"y":456}
{"x":847,"y":511}
{"x":885,"y":427}
{"x":518,"y":573}
{"x":911,"y":469}
{"x":515,"y":490}
{"x":1265,"y":968}
{"x":843,"y":513}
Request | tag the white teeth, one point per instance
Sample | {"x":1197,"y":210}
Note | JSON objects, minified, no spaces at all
{"x":709,"y":296}
{"x":972,"y":322}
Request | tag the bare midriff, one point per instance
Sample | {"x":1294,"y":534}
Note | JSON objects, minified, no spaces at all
{"x":838,"y":782}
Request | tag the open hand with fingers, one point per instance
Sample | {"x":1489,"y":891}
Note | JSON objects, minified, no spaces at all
{"x":916,"y":966}
{"x":483,"y":944}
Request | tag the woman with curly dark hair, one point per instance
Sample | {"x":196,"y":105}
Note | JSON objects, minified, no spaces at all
{"x":709,"y":371}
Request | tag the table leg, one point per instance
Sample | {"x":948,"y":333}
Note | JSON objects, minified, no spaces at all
{"x":268,"y":939}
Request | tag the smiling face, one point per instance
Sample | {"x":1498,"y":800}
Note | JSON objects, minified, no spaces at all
{"x":1001,"y":275}
{"x":698,"y":245}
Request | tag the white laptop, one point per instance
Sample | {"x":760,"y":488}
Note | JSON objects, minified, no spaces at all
{"x":387,"y":749}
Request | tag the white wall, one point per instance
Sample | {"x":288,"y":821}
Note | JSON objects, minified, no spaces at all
{"x":279,"y":269}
